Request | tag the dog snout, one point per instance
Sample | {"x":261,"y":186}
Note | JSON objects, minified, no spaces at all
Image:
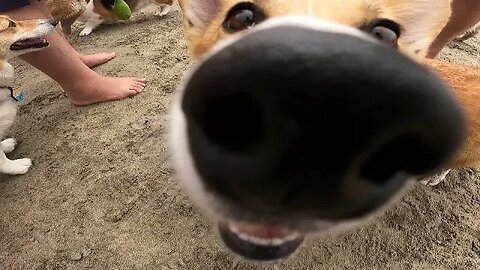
{"x":300,"y":122}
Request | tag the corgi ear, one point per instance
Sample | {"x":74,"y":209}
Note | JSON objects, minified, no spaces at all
{"x":199,"y":13}
{"x":421,"y":22}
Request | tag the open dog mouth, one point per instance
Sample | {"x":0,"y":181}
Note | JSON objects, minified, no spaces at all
{"x":261,"y":243}
{"x":30,"y":43}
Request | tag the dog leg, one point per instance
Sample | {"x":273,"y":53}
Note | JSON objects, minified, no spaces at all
{"x":92,"y":19}
{"x":67,"y":26}
{"x":165,"y":9}
{"x":436,"y":179}
{"x":67,"y":29}
{"x":8,"y":145}
{"x":13,"y":167}
{"x":91,"y":24}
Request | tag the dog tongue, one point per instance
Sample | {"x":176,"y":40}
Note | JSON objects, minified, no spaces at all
{"x":31,"y":41}
{"x":262,"y":231}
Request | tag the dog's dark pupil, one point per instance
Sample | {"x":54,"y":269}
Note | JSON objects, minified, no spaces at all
{"x":108,"y":4}
{"x":386,"y":35}
{"x":242,"y":19}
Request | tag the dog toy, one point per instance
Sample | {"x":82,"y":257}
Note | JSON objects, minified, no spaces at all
{"x":122,"y":10}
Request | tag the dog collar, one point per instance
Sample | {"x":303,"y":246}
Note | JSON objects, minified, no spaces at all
{"x":12,"y":95}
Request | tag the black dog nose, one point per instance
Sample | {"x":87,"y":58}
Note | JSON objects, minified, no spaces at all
{"x":296,"y":121}
{"x":53,"y":22}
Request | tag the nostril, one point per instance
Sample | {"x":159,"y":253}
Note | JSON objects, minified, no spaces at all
{"x":233,"y":122}
{"x":406,"y":153}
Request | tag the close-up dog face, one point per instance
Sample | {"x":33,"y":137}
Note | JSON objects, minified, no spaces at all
{"x":308,"y":116}
{"x":20,"y":37}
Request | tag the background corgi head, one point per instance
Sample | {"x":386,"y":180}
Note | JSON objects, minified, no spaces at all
{"x":20,"y":37}
{"x":418,"y":21}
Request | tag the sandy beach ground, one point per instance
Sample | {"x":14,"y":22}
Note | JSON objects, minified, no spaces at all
{"x":101,"y":193}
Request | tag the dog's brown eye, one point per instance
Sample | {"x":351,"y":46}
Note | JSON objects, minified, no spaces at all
{"x":241,"y":17}
{"x":386,"y":31}
{"x":12,"y":24}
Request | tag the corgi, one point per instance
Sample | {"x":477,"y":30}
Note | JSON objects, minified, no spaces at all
{"x":99,"y":11}
{"x":66,"y":12}
{"x":465,"y":81}
{"x":305,"y":116}
{"x":16,"y":38}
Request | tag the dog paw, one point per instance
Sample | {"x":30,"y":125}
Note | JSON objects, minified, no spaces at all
{"x":469,"y":33}
{"x":85,"y":32}
{"x":435,"y":179}
{"x":165,"y":9}
{"x":465,"y":36}
{"x":8,"y":145}
{"x":19,"y":166}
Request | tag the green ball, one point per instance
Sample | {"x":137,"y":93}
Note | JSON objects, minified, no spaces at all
{"x":122,"y":10}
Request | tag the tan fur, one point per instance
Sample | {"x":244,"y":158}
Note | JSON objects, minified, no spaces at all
{"x":421,"y":21}
{"x":66,"y":11}
{"x":465,"y":82}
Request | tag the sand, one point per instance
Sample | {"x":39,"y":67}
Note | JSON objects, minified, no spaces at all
{"x":101,"y":193}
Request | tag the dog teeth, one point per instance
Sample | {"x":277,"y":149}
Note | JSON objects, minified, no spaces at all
{"x":262,"y":241}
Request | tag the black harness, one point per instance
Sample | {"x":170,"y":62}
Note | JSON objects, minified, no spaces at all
{"x":11,"y":92}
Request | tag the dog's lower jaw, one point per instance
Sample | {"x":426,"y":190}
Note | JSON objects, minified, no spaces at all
{"x":263,"y":244}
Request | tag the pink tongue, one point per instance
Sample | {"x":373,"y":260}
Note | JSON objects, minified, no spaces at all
{"x":263,"y":232}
